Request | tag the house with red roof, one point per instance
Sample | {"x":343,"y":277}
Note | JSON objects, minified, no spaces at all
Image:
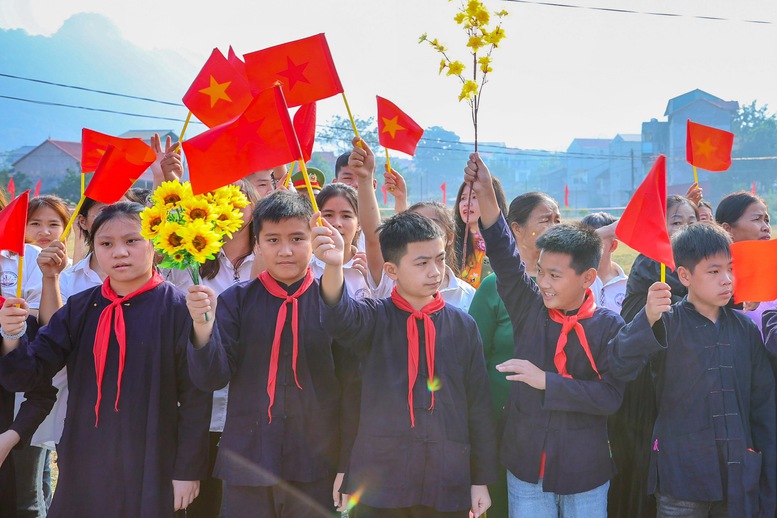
{"x":50,"y":161}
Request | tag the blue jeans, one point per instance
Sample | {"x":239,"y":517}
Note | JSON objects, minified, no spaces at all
{"x":669,"y":507}
{"x":530,"y":501}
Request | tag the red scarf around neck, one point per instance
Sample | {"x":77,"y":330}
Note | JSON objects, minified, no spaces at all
{"x":569,"y":322}
{"x":102,"y":337}
{"x":413,"y":341}
{"x":276,"y":290}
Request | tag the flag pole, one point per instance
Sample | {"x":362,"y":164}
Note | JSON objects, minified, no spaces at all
{"x":288,"y":175}
{"x":72,"y":219}
{"x":309,"y":188}
{"x":183,"y":131}
{"x":695,"y":176}
{"x":19,"y":278}
{"x":388,"y":166}
{"x":83,"y":182}
{"x":663,"y":272}
{"x":350,"y":116}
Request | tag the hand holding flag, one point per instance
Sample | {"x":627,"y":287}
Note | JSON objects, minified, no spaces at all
{"x":13,"y":225}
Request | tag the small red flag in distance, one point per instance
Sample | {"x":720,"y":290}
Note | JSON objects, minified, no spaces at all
{"x":36,"y":192}
{"x":396,"y":130}
{"x":566,"y":195}
{"x":94,"y":144}
{"x":115,"y":174}
{"x":304,"y":68}
{"x":219,"y":93}
{"x":755,"y":270}
{"x":708,"y":148}
{"x":13,"y":224}
{"x":11,"y":188}
{"x":262,"y":138}
{"x":643,"y":224}
{"x":384,"y":190}
{"x":444,"y":189}
{"x":305,"y":127}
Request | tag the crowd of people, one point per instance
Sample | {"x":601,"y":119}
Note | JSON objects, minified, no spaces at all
{"x":434,"y":363}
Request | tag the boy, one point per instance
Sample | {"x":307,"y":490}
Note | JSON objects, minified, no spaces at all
{"x":425,"y":446}
{"x":279,"y":449}
{"x":713,"y":445}
{"x":609,"y":288}
{"x":555,"y":444}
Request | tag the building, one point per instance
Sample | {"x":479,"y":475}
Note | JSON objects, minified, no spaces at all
{"x":625,"y":170}
{"x":50,"y":161}
{"x":587,"y":172}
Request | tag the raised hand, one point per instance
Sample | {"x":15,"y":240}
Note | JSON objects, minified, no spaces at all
{"x":395,"y":183}
{"x":479,"y":177}
{"x":659,"y":300}
{"x":694,"y":193}
{"x":327,"y":242}
{"x":362,"y":161}
{"x":53,"y":259}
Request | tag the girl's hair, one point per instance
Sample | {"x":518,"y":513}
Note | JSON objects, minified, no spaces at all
{"x":84,"y":211}
{"x":675,"y":199}
{"x":122,"y":209}
{"x":210,"y":268}
{"x":461,"y":225}
{"x":444,"y":217}
{"x":705,"y":203}
{"x":334,"y":190}
{"x":522,"y":206}
{"x":55,"y":203}
{"x":734,"y":205}
{"x":139,"y":195}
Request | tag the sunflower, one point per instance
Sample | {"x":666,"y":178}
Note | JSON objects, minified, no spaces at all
{"x":232,"y":195}
{"x":150,"y":219}
{"x":197,"y":207}
{"x":200,"y":240}
{"x":170,"y":194}
{"x":228,"y":219}
{"x":170,"y":239}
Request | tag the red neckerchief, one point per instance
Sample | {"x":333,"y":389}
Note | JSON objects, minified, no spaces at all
{"x":103,"y":335}
{"x":413,"y":341}
{"x":275,"y":289}
{"x":569,"y":322}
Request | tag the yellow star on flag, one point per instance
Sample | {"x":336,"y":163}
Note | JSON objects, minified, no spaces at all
{"x":217,"y":91}
{"x":704,"y":148}
{"x":391,"y":126}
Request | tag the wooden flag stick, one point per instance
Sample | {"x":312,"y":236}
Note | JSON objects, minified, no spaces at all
{"x":83,"y":183}
{"x":663,"y":272}
{"x":350,"y":116}
{"x":695,"y":176}
{"x":183,"y":131}
{"x":19,"y":278}
{"x":288,"y":175}
{"x":72,"y":219}
{"x":309,"y":188}
{"x":388,"y":167}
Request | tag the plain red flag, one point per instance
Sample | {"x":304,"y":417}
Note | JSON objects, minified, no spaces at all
{"x":13,"y":224}
{"x":305,"y":127}
{"x":755,"y":270}
{"x":219,"y":93}
{"x":708,"y":148}
{"x":262,"y":138}
{"x":94,"y":144}
{"x":37,"y":189}
{"x":752,"y":187}
{"x":396,"y":130}
{"x":11,"y":188}
{"x":444,"y":189}
{"x":643,"y":224}
{"x":114,"y":176}
{"x":566,"y":195}
{"x":304,"y":68}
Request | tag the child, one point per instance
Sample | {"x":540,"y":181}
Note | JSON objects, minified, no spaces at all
{"x":610,"y":285}
{"x":713,"y":445}
{"x":142,"y":448}
{"x":47,"y":217}
{"x":555,"y":444}
{"x":282,"y":430}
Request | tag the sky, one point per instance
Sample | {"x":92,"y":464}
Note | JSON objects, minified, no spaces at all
{"x":560,"y":73}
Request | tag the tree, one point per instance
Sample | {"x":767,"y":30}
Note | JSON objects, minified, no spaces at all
{"x":337,"y":133}
{"x":69,"y":189}
{"x":317,"y":161}
{"x":755,"y":135}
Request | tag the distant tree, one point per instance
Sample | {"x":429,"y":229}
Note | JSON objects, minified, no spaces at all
{"x":337,"y":133}
{"x":755,"y":135}
{"x":69,"y":189}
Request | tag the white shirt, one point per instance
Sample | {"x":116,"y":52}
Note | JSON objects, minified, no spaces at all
{"x":355,"y":282}
{"x":227,"y":276}
{"x":32,"y":278}
{"x":611,"y":295}
{"x":78,"y":278}
{"x":457,"y":292}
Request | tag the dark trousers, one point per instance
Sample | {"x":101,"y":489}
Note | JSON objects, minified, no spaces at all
{"x":284,"y":500}
{"x":418,"y":511}
{"x":208,"y":502}
{"x":28,"y":465}
{"x":669,"y":507}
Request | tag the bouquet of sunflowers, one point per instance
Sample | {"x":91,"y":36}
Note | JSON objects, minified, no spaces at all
{"x":189,"y":229}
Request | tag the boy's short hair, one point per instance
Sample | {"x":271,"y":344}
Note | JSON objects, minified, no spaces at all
{"x":402,"y":229}
{"x":699,"y":241}
{"x":598,"y":219}
{"x":281,"y":205}
{"x":577,"y":240}
{"x":342,"y":161}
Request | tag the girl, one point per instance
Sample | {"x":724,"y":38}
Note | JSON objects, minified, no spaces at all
{"x":475,"y":266}
{"x":47,"y":217}
{"x":142,"y":448}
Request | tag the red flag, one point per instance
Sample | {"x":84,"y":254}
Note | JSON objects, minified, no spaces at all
{"x":304,"y":68}
{"x":94,"y":145}
{"x":262,"y":138}
{"x":114,"y":175}
{"x":219,"y":93}
{"x":708,"y":148}
{"x":752,"y":188}
{"x":305,"y":127}
{"x":643,"y":224}
{"x":11,"y":188}
{"x":755,"y":270}
{"x":237,"y":63}
{"x":37,"y":189}
{"x":444,"y":189}
{"x":396,"y":130}
{"x":566,"y":195}
{"x":385,"y":194}
{"x":13,"y":224}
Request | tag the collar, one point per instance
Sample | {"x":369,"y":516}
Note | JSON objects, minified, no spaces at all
{"x":453,"y":283}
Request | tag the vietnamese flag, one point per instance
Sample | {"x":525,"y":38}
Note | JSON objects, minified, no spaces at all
{"x":708,"y":148}
{"x":643,"y":224}
{"x":262,"y":138}
{"x":11,"y":188}
{"x":305,"y":128}
{"x":755,"y":270}
{"x":237,"y":63}
{"x":304,"y":68}
{"x":396,"y":130}
{"x":219,"y":93}
{"x":94,"y":144}
{"x":114,"y":175}
{"x":13,"y":224}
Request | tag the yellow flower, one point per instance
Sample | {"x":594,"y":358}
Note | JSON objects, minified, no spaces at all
{"x":150,"y":219}
{"x":495,"y":36}
{"x":459,"y":18}
{"x":179,"y":257}
{"x":170,"y":239}
{"x":232,"y":195}
{"x":169,"y":194}
{"x":473,"y":6}
{"x":197,"y":207}
{"x":482,"y":16}
{"x":475,"y":42}
{"x":502,"y":13}
{"x":443,"y":64}
{"x":422,"y":38}
{"x":200,"y":240}
{"x":455,"y":68}
{"x":468,"y":90}
{"x":228,"y":220}
{"x":485,"y":64}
